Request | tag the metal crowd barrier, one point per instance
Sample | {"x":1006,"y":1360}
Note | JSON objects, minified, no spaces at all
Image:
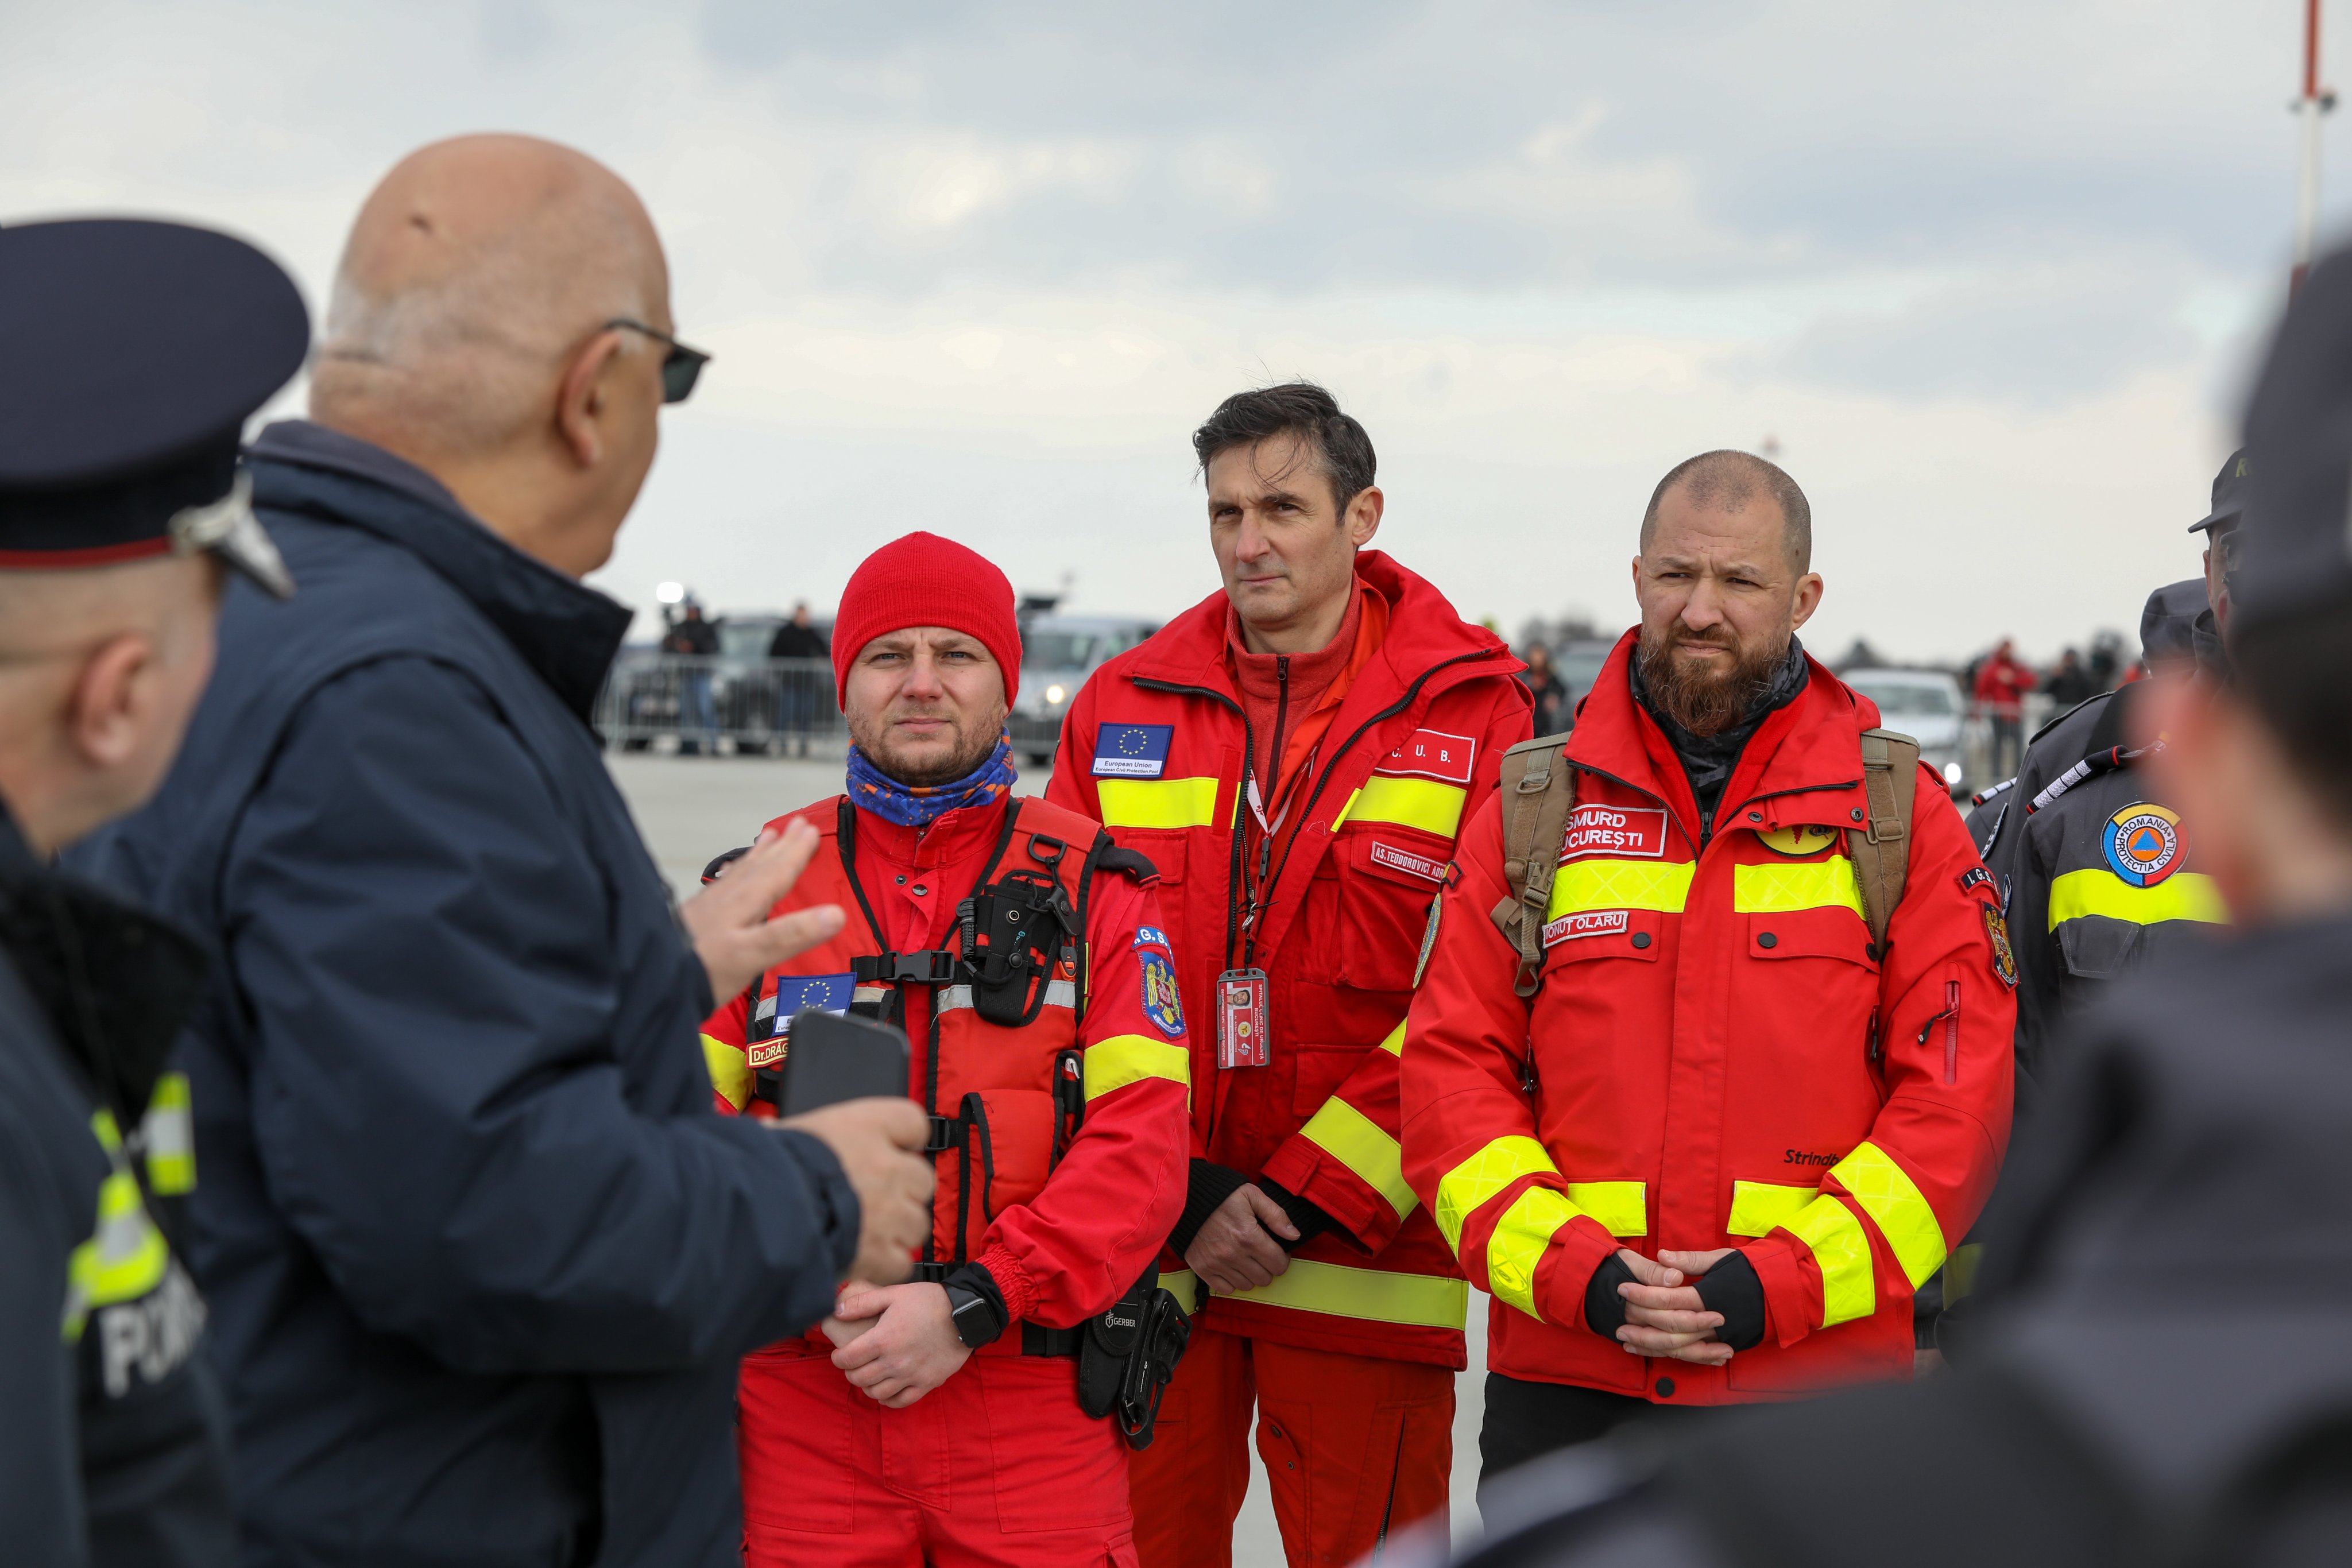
{"x":776,"y":707}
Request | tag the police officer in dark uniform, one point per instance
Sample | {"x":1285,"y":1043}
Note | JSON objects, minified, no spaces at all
{"x":2162,"y":1370}
{"x":135,"y":351}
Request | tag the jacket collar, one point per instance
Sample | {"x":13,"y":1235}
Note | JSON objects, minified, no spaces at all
{"x":1424,"y":632}
{"x":115,"y":981}
{"x":953,"y":836}
{"x":1806,"y":756}
{"x":566,"y":631}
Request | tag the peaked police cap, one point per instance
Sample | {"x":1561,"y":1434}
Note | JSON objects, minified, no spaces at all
{"x":135,"y":350}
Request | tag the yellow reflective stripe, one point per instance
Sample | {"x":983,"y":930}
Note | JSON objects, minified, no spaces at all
{"x":2184,"y":896}
{"x":1891,"y":1198}
{"x":1357,"y":1142}
{"x":1394,"y":1043}
{"x":1462,"y":1189}
{"x":1518,"y":1245}
{"x":168,"y":1133}
{"x":1620,"y":885}
{"x":1423,"y":803}
{"x":1620,"y":1206}
{"x":1158,"y":803}
{"x":1778,"y":887}
{"x":1760,"y":1207}
{"x":1841,"y":1248}
{"x":1126,"y":1059}
{"x":1420,"y":1300}
{"x":730,"y":1069}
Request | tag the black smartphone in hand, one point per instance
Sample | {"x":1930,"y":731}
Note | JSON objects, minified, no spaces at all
{"x":833,"y":1057}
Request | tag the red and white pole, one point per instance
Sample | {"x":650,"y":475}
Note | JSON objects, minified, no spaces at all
{"x":2315,"y":103}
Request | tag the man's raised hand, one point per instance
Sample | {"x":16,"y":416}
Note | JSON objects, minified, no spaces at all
{"x":728,"y":921}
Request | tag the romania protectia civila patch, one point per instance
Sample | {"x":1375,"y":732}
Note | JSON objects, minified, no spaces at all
{"x":2145,"y":843}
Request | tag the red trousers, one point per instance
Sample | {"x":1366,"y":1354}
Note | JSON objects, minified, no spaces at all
{"x":996,"y":1466}
{"x":1356,"y":1449}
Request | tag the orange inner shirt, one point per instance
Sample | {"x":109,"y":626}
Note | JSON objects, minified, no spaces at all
{"x":1318,"y":684}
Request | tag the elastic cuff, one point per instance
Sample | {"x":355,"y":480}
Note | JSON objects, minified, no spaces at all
{"x":1790,"y":1307}
{"x":1732,"y":1289}
{"x":1015,"y":1291}
{"x":1205,"y":1189}
{"x":1309,"y":1220}
{"x":838,"y":1215}
{"x":1604,"y":1309}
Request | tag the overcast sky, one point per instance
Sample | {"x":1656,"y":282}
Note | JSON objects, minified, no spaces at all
{"x":1991,"y":275}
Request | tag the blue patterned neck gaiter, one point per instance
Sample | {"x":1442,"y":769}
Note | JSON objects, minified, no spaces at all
{"x":921,"y":805}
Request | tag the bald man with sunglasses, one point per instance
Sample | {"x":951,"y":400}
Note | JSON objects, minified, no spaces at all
{"x":480,"y":1258}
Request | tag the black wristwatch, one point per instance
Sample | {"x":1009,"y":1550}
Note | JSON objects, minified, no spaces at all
{"x":978,"y":1320}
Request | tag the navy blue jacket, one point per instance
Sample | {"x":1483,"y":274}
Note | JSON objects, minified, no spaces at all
{"x":482,"y":1258}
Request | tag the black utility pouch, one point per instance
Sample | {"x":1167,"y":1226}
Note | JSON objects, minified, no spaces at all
{"x":1015,"y":930}
{"x":1106,"y":1345}
{"x":1160,"y":1342}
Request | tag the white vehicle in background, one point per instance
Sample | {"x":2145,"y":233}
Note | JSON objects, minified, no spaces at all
{"x":1057,"y":654}
{"x":1926,"y":704}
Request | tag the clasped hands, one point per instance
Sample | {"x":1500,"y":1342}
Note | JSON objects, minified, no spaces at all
{"x":1663,"y":1316}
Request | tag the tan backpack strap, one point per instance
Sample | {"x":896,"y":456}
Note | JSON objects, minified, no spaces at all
{"x":1881,"y":847}
{"x":1539,"y":790}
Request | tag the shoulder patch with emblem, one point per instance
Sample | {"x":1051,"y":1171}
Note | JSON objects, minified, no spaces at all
{"x":2004,"y":961}
{"x":2144,"y":843}
{"x":1162,"y":1004}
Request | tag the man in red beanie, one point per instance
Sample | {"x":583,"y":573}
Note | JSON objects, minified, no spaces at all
{"x":938,"y":1422}
{"x":1295,"y":755}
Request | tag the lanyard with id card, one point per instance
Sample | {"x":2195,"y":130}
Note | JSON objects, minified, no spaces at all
{"x":1240,"y":1019}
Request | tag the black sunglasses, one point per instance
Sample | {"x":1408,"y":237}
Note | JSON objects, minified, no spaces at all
{"x":681,"y":366}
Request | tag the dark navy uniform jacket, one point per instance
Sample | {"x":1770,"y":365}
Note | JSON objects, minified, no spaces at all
{"x":113,"y":1436}
{"x":480,"y":1255}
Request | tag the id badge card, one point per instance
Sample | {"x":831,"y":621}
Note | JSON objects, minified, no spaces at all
{"x":1242,"y":1027}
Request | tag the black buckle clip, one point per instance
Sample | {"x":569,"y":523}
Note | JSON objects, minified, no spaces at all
{"x":947,"y":1133}
{"x":932,"y":967}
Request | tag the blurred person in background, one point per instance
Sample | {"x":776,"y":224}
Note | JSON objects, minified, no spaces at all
{"x":480,"y":1256}
{"x":121,"y":500}
{"x":1295,"y":755}
{"x":799,"y":701}
{"x":2118,"y":1402}
{"x":2070,"y":682}
{"x":1999,"y":688}
{"x":1055,"y":1065}
{"x":1701,"y":1124}
{"x":1544,"y":685}
{"x":698,"y":722}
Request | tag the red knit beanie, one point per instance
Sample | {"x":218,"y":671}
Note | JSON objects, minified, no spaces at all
{"x":923,"y":580}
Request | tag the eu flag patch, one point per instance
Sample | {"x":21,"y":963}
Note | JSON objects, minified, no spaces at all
{"x":790,"y":994}
{"x":1132,"y":750}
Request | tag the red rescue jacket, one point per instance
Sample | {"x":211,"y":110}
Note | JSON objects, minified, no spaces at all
{"x":1716,"y":1058}
{"x":1064,"y":1223}
{"x":1152,"y":748}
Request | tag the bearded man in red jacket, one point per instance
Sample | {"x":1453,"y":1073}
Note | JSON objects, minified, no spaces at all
{"x":1295,"y":755}
{"x":1711,"y":1157}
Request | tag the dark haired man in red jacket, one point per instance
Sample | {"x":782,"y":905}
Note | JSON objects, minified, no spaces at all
{"x":1295,"y":755}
